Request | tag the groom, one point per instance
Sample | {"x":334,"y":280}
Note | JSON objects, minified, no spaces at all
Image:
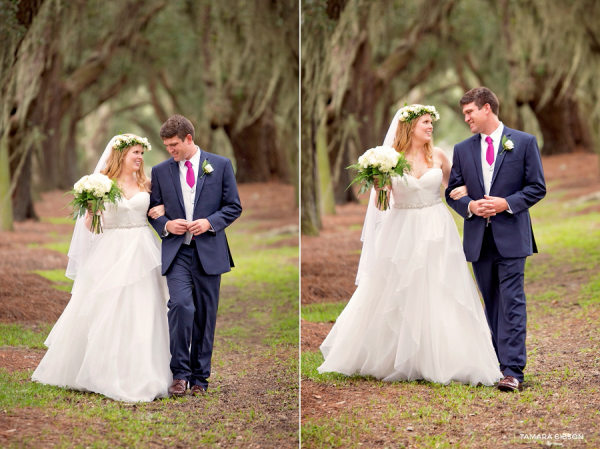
{"x":200,"y":197}
{"x":502,"y":170}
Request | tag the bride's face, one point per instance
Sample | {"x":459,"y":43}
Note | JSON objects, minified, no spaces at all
{"x":133,"y":159}
{"x":423,"y":129}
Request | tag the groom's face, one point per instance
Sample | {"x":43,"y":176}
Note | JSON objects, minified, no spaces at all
{"x":476,"y":118}
{"x":180,"y":149}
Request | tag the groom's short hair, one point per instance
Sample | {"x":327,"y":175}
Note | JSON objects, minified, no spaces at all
{"x":177,"y":125}
{"x":480,"y":96}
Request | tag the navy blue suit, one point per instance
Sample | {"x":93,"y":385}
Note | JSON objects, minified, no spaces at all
{"x":498,"y":251}
{"x":194,"y":271}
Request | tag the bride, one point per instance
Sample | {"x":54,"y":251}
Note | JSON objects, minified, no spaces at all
{"x":112,"y":338}
{"x":416,"y":313}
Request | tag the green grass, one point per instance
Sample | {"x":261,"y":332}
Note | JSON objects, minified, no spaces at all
{"x":579,"y":232}
{"x":260,"y":299}
{"x":125,"y":424}
{"x":21,"y":336}
{"x":322,"y":313}
{"x":326,"y":433}
{"x":61,"y":247}
{"x":266,"y":282}
{"x":392,"y":408}
{"x":58,"y":220}
{"x":309,"y":363}
{"x":590,"y":293}
{"x":235,"y":331}
{"x":58,"y":279}
{"x":272,"y":266}
{"x":569,"y":243}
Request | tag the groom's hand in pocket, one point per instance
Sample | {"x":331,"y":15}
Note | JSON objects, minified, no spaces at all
{"x":199,"y":226}
{"x":177,"y":227}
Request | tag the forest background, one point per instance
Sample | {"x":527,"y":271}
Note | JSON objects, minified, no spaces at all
{"x":362,"y":60}
{"x":75,"y":73}
{"x":72,"y":75}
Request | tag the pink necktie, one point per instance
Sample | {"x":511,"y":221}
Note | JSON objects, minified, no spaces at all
{"x":489,"y":154}
{"x":189,"y":177}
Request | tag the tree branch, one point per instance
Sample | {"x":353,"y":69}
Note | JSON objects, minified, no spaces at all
{"x":112,"y":91}
{"x":401,"y":57}
{"x":158,"y":107}
{"x":90,"y":70}
{"x":162,"y":76}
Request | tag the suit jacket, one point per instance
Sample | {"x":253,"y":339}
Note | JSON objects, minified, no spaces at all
{"x":518,"y":177}
{"x":217,"y":200}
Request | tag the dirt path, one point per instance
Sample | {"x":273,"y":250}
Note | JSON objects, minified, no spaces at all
{"x":253,"y":396}
{"x":563,"y":371}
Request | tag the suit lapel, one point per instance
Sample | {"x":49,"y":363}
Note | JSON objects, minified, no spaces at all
{"x":200,"y":181}
{"x":476,"y":149}
{"x":505,"y":132}
{"x":177,"y":181}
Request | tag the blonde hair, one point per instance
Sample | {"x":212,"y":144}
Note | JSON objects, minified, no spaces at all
{"x":403,"y":139}
{"x":114,"y":165}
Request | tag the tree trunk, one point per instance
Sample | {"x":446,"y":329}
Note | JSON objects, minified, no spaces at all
{"x":256,"y":154}
{"x":325,"y":184}
{"x":358,"y":109}
{"x":41,"y":89}
{"x":310,"y":219}
{"x":68,"y":153}
{"x":6,"y":215}
{"x":22,"y":201}
{"x":563,"y":128}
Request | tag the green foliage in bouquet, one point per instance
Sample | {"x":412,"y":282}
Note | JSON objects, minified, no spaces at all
{"x":91,"y":194}
{"x":368,"y":175}
{"x":381,"y":164}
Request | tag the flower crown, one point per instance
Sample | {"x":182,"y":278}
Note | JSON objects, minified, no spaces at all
{"x":121,"y":142}
{"x":408,"y":113}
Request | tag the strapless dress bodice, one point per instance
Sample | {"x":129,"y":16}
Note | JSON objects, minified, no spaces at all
{"x":127,"y":213}
{"x":414,"y":193}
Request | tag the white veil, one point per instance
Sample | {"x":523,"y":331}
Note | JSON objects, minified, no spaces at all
{"x":82,"y":236}
{"x":374,"y":216}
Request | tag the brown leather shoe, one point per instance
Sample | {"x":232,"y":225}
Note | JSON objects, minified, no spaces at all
{"x":509,"y":383}
{"x":178,"y":387}
{"x":198,"y":390}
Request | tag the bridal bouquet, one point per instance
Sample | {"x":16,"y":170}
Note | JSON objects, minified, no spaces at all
{"x":381,"y":164}
{"x":92,"y":192}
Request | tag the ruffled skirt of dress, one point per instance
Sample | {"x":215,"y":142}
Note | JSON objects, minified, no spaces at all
{"x":113,"y":337}
{"x":417,"y":313}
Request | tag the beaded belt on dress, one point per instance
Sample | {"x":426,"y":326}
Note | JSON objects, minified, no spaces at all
{"x":418,"y":205}
{"x":126,"y":225}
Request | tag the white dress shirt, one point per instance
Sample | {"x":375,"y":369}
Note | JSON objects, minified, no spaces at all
{"x":188,"y":193}
{"x":486,"y":169}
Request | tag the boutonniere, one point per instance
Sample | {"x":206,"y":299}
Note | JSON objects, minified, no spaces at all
{"x":207,"y":169}
{"x":507,"y":145}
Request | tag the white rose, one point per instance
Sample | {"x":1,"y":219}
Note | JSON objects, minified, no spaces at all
{"x":208,"y":168}
{"x":509,"y":144}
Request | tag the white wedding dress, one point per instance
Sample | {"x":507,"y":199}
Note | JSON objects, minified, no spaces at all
{"x":113,"y":337}
{"x":416,"y":313}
